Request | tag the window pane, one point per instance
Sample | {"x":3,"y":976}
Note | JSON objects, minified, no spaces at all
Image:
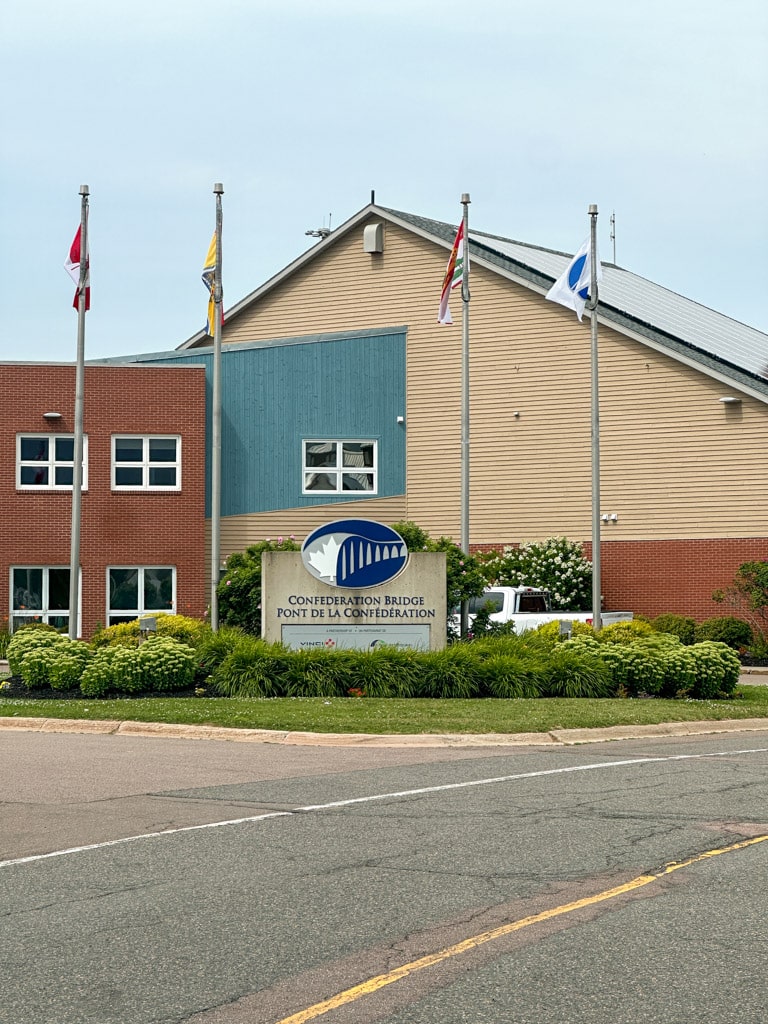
{"x":27,"y":589}
{"x":58,"y":589}
{"x":123,"y":588}
{"x":60,"y":622}
{"x":21,"y":620}
{"x":34,"y":475}
{"x":34,"y":449}
{"x":114,"y":620}
{"x":319,"y":482}
{"x":63,"y":476}
{"x":357,"y":482}
{"x":162,"y":449}
{"x":129,"y":449}
{"x":358,"y":454}
{"x":162,"y":477}
{"x":158,"y":589}
{"x":321,"y":453}
{"x":129,"y":476}
{"x":65,"y":449}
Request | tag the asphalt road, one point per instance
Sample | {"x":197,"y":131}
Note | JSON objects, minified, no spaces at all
{"x":532,"y":880}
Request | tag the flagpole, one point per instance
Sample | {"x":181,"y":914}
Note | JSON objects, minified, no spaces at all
{"x":597,"y":618}
{"x":465,"y":200}
{"x":218,"y":189}
{"x":77,"y":456}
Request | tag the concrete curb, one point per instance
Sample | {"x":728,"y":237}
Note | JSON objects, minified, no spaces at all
{"x":559,"y":737}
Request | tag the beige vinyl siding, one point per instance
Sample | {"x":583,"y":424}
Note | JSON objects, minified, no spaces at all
{"x":675,"y":462}
{"x":238,"y":532}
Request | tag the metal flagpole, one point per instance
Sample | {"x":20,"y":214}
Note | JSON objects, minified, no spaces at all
{"x":218,"y":189}
{"x":465,"y":200}
{"x":597,"y":618}
{"x":77,"y":457}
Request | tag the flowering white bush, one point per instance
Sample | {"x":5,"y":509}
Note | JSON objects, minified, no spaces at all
{"x":556,"y":564}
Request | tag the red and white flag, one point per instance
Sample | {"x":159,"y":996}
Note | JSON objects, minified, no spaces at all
{"x":454,"y":274}
{"x":72,"y":267}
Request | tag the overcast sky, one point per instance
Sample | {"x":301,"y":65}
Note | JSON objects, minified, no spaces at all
{"x":657,"y":111}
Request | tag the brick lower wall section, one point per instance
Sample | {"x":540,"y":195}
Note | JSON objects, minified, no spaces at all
{"x":128,"y":528}
{"x":650,"y":577}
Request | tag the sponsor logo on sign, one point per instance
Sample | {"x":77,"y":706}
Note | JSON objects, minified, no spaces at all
{"x":354,"y":553}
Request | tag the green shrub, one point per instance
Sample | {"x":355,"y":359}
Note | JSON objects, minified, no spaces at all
{"x":717,"y":670}
{"x":726,"y":629}
{"x":5,"y":639}
{"x":128,"y":634}
{"x":29,"y":639}
{"x":166,"y":664}
{"x":113,"y":669}
{"x":70,"y":660}
{"x":37,"y":665}
{"x":551,"y":630}
{"x":681,"y":626}
{"x":635,"y":668}
{"x":625,"y":632}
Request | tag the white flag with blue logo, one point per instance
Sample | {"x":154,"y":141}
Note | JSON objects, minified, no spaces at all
{"x":572,"y":288}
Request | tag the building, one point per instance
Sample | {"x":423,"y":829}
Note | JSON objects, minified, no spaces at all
{"x":342,"y":398}
{"x":142,"y":538}
{"x":683,"y":408}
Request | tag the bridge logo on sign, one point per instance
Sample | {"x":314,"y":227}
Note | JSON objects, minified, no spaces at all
{"x":354,"y":553}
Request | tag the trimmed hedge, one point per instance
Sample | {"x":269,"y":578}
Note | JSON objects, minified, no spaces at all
{"x":535,"y":664}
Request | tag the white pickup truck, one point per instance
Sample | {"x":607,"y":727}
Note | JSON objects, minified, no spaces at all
{"x":529,"y":607}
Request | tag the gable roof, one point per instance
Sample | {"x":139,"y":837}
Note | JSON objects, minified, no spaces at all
{"x":684,"y":329}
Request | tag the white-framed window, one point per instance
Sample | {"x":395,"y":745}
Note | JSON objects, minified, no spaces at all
{"x":39,"y":594}
{"x":136,"y":590}
{"x":335,"y":467}
{"x":48,"y":461}
{"x":146,"y":462}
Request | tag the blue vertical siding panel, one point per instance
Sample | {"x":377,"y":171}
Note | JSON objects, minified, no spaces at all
{"x":276,"y":395}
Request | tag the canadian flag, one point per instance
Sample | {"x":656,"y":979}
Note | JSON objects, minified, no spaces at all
{"x":72,"y":267}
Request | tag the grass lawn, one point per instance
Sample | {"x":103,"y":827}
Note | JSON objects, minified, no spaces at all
{"x":372,"y":715}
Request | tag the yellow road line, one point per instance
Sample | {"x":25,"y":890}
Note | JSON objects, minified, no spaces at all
{"x":365,"y":988}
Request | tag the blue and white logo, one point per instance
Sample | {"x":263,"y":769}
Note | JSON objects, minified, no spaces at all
{"x":354,"y":553}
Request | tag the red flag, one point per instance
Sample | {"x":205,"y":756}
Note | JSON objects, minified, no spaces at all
{"x":454,"y":274}
{"x":72,"y":267}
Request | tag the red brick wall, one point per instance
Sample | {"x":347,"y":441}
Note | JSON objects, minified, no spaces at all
{"x":117,"y":528}
{"x":652,"y":577}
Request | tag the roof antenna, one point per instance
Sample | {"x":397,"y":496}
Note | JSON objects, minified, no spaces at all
{"x":321,"y":232}
{"x":613,"y":235}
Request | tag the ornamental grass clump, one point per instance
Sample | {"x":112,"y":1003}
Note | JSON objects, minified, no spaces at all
{"x":320,"y":672}
{"x":449,"y":673}
{"x":252,"y":668}
{"x":574,"y":671}
{"x":386,"y":672}
{"x":510,"y":676}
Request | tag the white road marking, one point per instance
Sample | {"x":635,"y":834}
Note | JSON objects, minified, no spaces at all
{"x":374,"y":797}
